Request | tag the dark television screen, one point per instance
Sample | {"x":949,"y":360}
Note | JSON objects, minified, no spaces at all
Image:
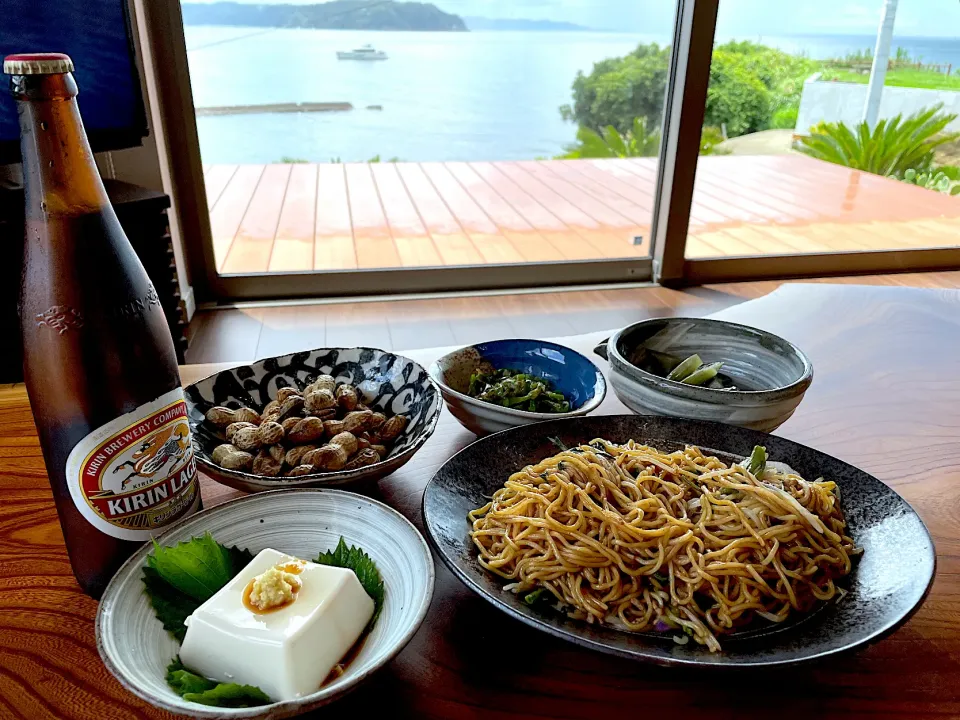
{"x":96,"y":34}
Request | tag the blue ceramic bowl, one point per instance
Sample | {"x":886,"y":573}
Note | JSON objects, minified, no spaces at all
{"x":568,"y":372}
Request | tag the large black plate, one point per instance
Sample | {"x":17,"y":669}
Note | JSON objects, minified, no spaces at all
{"x":887,"y":585}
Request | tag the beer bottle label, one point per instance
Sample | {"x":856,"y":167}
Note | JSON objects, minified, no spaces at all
{"x":136,"y":474}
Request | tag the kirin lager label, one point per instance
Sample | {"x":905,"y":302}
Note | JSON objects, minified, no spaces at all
{"x":136,"y":474}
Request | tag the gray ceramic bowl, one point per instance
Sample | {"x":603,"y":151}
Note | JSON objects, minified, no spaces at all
{"x":136,"y":649}
{"x":568,"y":372}
{"x":770,"y":373}
{"x":390,"y":383}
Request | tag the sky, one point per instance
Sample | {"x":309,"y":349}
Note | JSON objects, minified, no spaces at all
{"x":738,"y":18}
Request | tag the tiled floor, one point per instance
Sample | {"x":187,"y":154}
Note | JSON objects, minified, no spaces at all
{"x":271,"y":218}
{"x":256,"y":332}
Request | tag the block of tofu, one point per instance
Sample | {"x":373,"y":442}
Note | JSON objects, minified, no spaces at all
{"x":286,"y":651}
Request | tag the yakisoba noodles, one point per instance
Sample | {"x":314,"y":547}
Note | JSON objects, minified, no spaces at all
{"x":674,"y":542}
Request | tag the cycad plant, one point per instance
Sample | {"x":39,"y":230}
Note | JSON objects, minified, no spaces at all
{"x":609,"y":143}
{"x":891,"y":148}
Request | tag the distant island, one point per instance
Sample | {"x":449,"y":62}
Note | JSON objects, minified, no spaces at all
{"x":483,"y":23}
{"x":335,"y":15}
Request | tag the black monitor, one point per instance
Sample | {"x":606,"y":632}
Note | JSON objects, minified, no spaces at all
{"x":97,"y":35}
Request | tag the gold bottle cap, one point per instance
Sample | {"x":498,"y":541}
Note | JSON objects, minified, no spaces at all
{"x":37,"y":64}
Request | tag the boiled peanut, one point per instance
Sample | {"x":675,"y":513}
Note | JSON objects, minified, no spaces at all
{"x":300,"y":470}
{"x":363,"y":459}
{"x":289,"y":424}
{"x":328,"y":457}
{"x":393,"y":427}
{"x":318,"y":400}
{"x":249,"y":415}
{"x":323,"y":382}
{"x":229,"y":457}
{"x":277,"y":452}
{"x":362,"y":443}
{"x":233,"y":427}
{"x":347,"y":397}
{"x":285,"y":392}
{"x":356,"y":421}
{"x":380,"y":450}
{"x":270,"y":433}
{"x":291,"y":406}
{"x":247,"y":438}
{"x":376,"y":421}
{"x":271,"y":407}
{"x":294,"y":454}
{"x":222,"y":416}
{"x":306,"y":430}
{"x":347,"y":441}
{"x":265,"y":464}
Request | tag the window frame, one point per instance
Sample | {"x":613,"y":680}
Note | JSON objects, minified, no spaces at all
{"x":684,"y":107}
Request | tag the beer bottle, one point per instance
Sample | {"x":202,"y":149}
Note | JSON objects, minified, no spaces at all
{"x":99,"y":361}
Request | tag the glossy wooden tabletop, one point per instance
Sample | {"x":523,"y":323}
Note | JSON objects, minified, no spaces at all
{"x":886,"y":397}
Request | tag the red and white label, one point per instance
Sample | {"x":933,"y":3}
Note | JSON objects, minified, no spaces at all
{"x":136,"y":474}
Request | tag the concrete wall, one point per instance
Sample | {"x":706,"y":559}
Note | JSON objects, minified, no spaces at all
{"x":843,"y":102}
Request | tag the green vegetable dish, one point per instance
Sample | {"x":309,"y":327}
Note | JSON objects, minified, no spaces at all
{"x":689,"y":371}
{"x":181,"y":582}
{"x":514,"y":389}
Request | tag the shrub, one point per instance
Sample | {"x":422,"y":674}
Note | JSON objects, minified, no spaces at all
{"x":748,"y":83}
{"x":785,"y":118}
{"x":944,"y":179}
{"x":710,"y":137}
{"x":892,"y":148}
{"x":736,"y":97}
{"x":621,"y":89}
{"x":610,"y":143}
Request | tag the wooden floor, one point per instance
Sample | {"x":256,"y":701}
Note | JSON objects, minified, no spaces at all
{"x":296,"y":217}
{"x":246,"y":334}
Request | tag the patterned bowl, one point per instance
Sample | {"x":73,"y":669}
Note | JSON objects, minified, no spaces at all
{"x":390,"y":383}
{"x":569,"y":372}
{"x":136,"y":649}
{"x":772,"y":374}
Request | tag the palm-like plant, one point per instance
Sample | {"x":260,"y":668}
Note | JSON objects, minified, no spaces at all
{"x":891,"y":148}
{"x":609,"y":143}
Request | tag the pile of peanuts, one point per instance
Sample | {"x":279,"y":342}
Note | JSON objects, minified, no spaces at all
{"x":324,"y":428}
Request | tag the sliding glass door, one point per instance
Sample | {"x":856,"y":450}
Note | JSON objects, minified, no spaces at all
{"x":437,"y":152}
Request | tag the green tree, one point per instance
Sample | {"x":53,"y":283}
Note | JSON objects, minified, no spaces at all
{"x":621,"y":89}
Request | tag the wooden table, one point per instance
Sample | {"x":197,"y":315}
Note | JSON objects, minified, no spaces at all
{"x":886,"y":396}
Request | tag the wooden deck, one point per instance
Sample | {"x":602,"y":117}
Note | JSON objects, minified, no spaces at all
{"x":275,"y":218}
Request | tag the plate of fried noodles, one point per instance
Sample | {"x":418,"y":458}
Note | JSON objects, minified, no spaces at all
{"x":679,"y":541}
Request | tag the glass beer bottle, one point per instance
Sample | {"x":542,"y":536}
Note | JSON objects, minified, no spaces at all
{"x":99,"y":361}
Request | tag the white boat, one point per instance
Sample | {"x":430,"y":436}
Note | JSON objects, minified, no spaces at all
{"x":367,"y":52}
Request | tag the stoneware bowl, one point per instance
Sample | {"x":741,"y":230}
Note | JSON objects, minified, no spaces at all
{"x":569,"y":372}
{"x":136,"y":649}
{"x":390,"y":383}
{"x":888,"y":583}
{"x":770,"y":373}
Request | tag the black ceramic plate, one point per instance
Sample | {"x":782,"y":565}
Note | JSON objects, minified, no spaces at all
{"x":887,"y":585}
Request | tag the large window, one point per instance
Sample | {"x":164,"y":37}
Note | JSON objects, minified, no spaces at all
{"x":615,"y":140}
{"x":432,"y":139}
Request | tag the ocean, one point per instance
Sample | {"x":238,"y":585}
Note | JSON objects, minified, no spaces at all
{"x":444,"y":96}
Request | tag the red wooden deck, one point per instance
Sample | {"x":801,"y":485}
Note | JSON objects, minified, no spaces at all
{"x":272,"y":218}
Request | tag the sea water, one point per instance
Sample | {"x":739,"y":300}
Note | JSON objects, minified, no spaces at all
{"x":444,"y":96}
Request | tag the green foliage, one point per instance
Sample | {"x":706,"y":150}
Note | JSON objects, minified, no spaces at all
{"x":292,"y":160}
{"x":609,"y":143}
{"x":194,"y":688}
{"x":785,"y":118}
{"x":710,"y":137}
{"x":944,"y":179}
{"x":353,"y":558}
{"x":736,"y":97}
{"x":903,"y":77}
{"x":197,"y":568}
{"x":748,"y":84}
{"x":892,"y":148}
{"x":621,"y":89}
